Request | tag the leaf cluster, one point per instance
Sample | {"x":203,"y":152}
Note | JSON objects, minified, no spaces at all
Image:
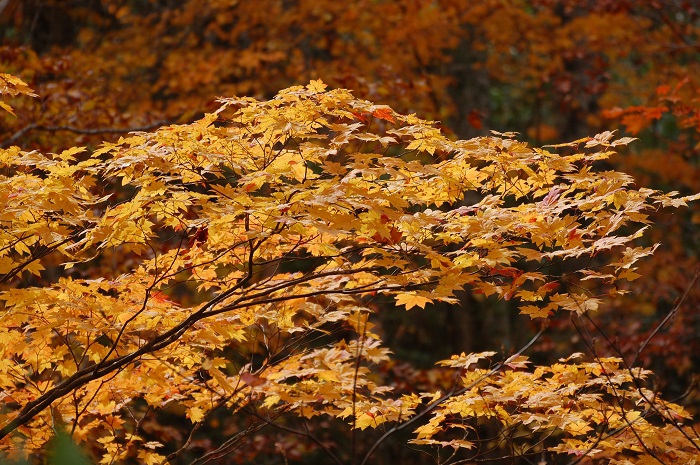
{"x":257,"y":240}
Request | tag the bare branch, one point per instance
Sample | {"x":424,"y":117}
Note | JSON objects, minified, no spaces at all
{"x":455,"y":392}
{"x":40,"y":127}
{"x":668,"y":317}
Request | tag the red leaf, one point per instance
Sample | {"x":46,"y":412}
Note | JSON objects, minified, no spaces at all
{"x":384,"y":113}
{"x":474,"y":119}
{"x":360,"y":116}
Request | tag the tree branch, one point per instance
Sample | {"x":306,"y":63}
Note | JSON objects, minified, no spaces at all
{"x":454,"y":392}
{"x":86,"y":375}
{"x":40,"y":127}
{"x":668,"y":317}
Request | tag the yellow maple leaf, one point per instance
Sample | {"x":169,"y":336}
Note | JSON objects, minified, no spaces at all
{"x":150,"y":458}
{"x":7,"y":108}
{"x":412,"y":299}
{"x":368,"y":419}
{"x":195,"y":414}
{"x":533,"y":311}
{"x":316,"y":85}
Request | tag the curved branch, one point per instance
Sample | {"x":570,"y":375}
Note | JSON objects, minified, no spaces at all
{"x":306,"y":434}
{"x":86,"y":375}
{"x":40,"y":127}
{"x":670,"y":315}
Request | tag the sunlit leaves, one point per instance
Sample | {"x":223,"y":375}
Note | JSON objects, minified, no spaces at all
{"x":567,"y":400}
{"x":412,"y":299}
{"x":12,"y":86}
{"x":266,"y":225}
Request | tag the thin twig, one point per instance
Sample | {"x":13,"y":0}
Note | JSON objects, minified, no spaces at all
{"x":301,"y":433}
{"x":670,"y":315}
{"x":454,"y":392}
{"x":40,"y":127}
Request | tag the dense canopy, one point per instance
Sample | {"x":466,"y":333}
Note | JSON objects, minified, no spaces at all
{"x":320,"y":274}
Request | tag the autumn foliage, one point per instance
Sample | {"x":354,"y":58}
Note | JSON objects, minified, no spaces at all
{"x":221,"y":280}
{"x":221,"y":209}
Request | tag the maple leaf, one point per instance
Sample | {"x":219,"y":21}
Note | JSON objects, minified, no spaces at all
{"x":367,"y":419}
{"x":517,"y":361}
{"x":195,"y":414}
{"x":316,"y":86}
{"x":384,"y":113}
{"x":412,"y":299}
{"x":12,"y":85}
{"x":466,"y":360}
{"x":7,"y":108}
{"x":534,"y":311}
{"x":150,"y":458}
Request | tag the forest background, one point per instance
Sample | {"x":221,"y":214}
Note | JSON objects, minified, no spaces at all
{"x":552,"y":71}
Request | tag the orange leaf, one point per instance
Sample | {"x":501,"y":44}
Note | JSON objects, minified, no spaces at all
{"x":474,"y":120}
{"x":386,"y":114}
